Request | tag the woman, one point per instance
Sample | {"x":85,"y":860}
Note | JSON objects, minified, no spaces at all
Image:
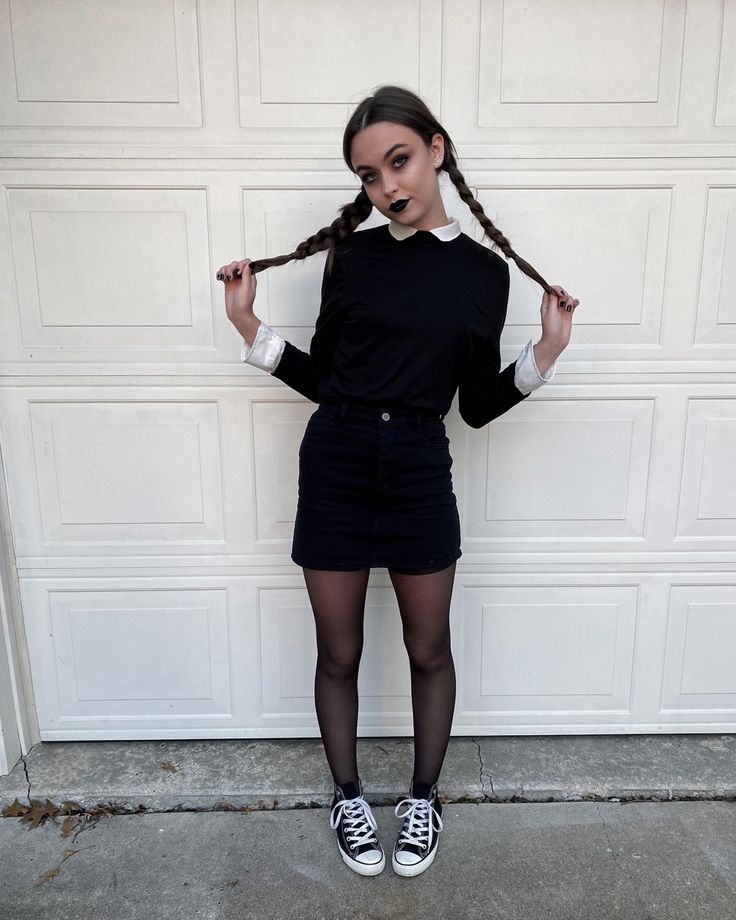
{"x":411,"y":313}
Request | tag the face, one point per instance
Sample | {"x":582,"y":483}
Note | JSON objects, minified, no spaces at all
{"x":394,"y":163}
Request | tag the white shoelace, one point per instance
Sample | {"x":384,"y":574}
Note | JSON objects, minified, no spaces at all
{"x":418,"y":821}
{"x":359,"y":820}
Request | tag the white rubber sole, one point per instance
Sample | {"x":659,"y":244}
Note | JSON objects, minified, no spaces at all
{"x":416,"y":869}
{"x":363,"y":868}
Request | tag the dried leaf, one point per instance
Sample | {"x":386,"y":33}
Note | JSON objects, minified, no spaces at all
{"x":39,"y":812}
{"x":46,"y":876}
{"x":70,"y":823}
{"x":15,"y":809}
{"x":69,"y":806}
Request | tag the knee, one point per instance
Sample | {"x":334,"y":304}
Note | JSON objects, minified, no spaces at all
{"x":430,"y":659}
{"x":339,"y":665}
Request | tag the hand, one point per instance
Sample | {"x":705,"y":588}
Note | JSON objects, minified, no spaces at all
{"x":557,"y":318}
{"x":240,"y":292}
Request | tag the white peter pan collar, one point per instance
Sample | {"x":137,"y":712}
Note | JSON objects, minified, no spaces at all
{"x":447,"y":232}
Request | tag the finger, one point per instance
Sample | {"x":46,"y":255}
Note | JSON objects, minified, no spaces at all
{"x":226,"y":272}
{"x":561,"y":296}
{"x":240,"y":267}
{"x":569,"y":302}
{"x":557,"y":292}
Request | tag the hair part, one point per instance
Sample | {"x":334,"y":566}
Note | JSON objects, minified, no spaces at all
{"x":402,"y":107}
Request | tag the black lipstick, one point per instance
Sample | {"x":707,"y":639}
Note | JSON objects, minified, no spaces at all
{"x":397,"y":206}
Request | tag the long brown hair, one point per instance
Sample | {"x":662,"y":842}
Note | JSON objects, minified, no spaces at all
{"x":402,"y":107}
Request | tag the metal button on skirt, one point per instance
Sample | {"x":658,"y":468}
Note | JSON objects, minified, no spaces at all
{"x":375,"y":490}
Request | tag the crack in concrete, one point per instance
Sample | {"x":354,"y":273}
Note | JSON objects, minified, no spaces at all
{"x":28,"y":779}
{"x":118,"y":808}
{"x":483,"y":792}
{"x":622,"y":865}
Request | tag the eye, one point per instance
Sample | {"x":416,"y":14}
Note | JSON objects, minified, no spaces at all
{"x":400,"y":157}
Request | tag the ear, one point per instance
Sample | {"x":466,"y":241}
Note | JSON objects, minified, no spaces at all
{"x":438,"y":148}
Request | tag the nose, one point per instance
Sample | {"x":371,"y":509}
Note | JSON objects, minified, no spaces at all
{"x":389,"y":188}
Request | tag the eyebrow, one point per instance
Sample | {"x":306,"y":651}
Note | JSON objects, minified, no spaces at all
{"x":386,"y":155}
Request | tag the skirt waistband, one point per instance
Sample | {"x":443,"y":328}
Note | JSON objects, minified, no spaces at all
{"x":383,"y":410}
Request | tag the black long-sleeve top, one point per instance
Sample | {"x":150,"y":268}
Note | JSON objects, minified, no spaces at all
{"x":407,"y":324}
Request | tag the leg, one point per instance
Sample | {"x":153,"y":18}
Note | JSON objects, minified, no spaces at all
{"x":338,"y":604}
{"x":424,"y":604}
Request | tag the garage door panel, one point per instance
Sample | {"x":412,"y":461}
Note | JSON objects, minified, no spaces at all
{"x":632,"y":58}
{"x":622,"y":286}
{"x":98,"y":70}
{"x":102,"y":270}
{"x":699,"y":653}
{"x":551,"y":652}
{"x":108,"y":660}
{"x":572,"y":469}
{"x":716,"y":316}
{"x":147,"y":472}
{"x":707,"y":502}
{"x":317,"y":87}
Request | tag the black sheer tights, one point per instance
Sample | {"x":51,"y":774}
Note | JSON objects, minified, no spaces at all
{"x":338,"y":603}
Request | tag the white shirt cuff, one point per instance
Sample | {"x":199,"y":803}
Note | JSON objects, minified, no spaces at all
{"x":266,"y":350}
{"x":526,"y":374}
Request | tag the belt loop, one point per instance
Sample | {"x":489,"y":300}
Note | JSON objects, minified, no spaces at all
{"x":344,"y":406}
{"x":420,"y":419}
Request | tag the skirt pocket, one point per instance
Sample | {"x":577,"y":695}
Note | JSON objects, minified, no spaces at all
{"x":322,"y":425}
{"x":433,"y":435}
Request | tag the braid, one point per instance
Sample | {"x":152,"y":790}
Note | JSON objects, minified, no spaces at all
{"x":351,"y":216}
{"x":450,"y":165}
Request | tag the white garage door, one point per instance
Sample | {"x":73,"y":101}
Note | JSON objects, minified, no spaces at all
{"x":151,"y":476}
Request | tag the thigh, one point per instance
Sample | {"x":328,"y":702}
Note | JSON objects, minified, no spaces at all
{"x":424,"y":605}
{"x":338,"y":604}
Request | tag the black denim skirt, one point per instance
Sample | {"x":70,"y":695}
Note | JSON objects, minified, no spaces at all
{"x":375,"y":490}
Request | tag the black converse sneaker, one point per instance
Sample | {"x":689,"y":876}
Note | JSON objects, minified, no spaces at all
{"x":416,"y":845}
{"x":351,"y":815}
